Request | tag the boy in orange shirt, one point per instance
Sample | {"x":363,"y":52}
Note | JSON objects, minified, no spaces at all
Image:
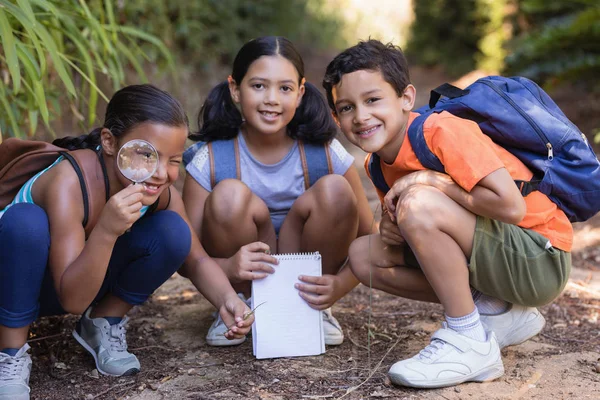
{"x":465,"y":238}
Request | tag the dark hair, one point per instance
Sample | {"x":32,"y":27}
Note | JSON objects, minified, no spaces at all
{"x":219,"y":118}
{"x":370,"y":55}
{"x":129,"y":107}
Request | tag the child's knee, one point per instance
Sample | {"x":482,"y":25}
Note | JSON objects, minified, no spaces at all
{"x":334,"y":192}
{"x":26,"y":225}
{"x":173,"y":236}
{"x":358,"y":256}
{"x":228,"y":200}
{"x":417,"y":212}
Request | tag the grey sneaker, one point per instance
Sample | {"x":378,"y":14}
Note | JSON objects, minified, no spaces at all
{"x":108,"y":345}
{"x":216,"y":332}
{"x":14,"y":375}
{"x":515,"y":325}
{"x":332,"y":329}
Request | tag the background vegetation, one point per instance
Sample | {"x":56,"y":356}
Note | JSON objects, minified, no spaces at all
{"x":61,"y":57}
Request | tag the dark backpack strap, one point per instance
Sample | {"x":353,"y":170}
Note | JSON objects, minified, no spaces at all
{"x":84,"y":191}
{"x":224,"y":156}
{"x":419,"y":145}
{"x":94,"y":178}
{"x":162,"y":203}
{"x":316,"y":162}
{"x":377,"y":174}
{"x":446,"y":89}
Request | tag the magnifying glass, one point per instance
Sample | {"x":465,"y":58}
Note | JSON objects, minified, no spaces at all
{"x":137,"y":160}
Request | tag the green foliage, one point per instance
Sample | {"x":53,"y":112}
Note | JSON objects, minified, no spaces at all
{"x":460,"y":35}
{"x":54,"y":50}
{"x":205,"y":32}
{"x":560,"y":41}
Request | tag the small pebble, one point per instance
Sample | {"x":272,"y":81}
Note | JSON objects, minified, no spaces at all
{"x":154,"y":386}
{"x":94,"y":374}
{"x":597,"y":367}
{"x":457,"y":389}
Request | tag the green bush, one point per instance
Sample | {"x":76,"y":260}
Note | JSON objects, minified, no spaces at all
{"x":212,"y":31}
{"x":560,"y":41}
{"x":459,"y":35}
{"x":51,"y":53}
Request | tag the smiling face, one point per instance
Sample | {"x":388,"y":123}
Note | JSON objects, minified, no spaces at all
{"x":268,"y":95}
{"x":169,"y":142}
{"x":371,"y":114}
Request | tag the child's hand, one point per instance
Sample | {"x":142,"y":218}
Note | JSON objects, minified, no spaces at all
{"x":236,"y":316}
{"x":389,"y":231}
{"x":250,"y":262}
{"x":320,"y":292}
{"x":122,"y":210}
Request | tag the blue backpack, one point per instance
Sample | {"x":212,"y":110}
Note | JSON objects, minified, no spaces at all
{"x":519,"y":116}
{"x":224,"y":157}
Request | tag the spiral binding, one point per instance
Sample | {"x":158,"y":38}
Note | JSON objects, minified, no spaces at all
{"x":297,"y":256}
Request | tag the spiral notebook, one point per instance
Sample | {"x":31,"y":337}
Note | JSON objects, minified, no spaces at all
{"x":284,"y":324}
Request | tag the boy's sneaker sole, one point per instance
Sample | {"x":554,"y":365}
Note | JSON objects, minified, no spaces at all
{"x":86,"y":346}
{"x":490,"y":373}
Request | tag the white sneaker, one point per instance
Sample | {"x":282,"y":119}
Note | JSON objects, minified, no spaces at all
{"x":216,"y":332}
{"x":332,"y":329}
{"x":450,"y":359}
{"x":515,"y":325}
{"x":14,"y":375}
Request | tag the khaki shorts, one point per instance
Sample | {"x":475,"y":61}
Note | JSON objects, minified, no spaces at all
{"x":513,"y":264}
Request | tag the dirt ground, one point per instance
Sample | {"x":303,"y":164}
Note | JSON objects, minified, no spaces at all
{"x":167,"y":334}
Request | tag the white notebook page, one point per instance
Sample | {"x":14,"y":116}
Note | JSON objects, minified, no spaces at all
{"x":284,"y":324}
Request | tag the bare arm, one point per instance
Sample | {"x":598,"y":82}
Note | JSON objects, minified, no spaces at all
{"x":495,"y":196}
{"x":78,"y":267}
{"x":210,"y":280}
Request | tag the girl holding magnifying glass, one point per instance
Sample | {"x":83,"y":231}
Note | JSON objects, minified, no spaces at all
{"x":49,"y":265}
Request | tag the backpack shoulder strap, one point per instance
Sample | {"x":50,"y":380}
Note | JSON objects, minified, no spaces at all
{"x":224,"y":156}
{"x":90,"y":169}
{"x":377,"y":174}
{"x":419,"y":145}
{"x":316,"y":162}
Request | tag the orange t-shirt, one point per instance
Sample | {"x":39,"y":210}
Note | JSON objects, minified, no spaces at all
{"x":468,"y":155}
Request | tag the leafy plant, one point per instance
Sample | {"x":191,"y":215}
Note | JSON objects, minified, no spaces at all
{"x":459,"y":35}
{"x":52,"y":50}
{"x":208,"y":32}
{"x":560,"y":41}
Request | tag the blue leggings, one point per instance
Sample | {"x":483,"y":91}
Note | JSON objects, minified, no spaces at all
{"x":141,"y":261}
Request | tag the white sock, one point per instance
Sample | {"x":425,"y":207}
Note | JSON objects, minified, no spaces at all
{"x":488,"y":305}
{"x":469,"y":326}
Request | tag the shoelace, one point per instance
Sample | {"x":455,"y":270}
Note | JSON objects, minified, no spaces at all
{"x":433,"y":347}
{"x":116,"y":336}
{"x":11,"y":367}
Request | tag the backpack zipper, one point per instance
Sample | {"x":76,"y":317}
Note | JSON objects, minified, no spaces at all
{"x":524,"y":115}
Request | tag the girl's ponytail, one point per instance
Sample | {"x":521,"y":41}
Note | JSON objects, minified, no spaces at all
{"x":313,"y":122}
{"x":219,"y":118}
{"x":89,"y":141}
